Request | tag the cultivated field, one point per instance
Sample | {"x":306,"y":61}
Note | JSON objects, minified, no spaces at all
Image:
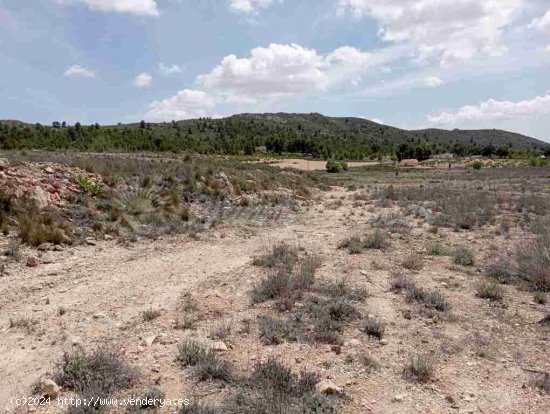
{"x":250,"y":289}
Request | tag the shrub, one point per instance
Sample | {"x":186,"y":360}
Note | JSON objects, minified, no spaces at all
{"x":374,"y":327}
{"x":206,"y":364}
{"x":430,"y":299}
{"x":150,"y":314}
{"x":477,"y":165}
{"x":464,"y":257}
{"x":413,"y":262}
{"x":400,"y":281}
{"x":275,"y":331}
{"x":98,"y":372}
{"x":437,"y":249}
{"x":540,"y":298}
{"x":278,"y":256}
{"x":420,"y":368}
{"x":501,"y":269}
{"x":543,"y":383}
{"x":375,"y":240}
{"x":533,"y":260}
{"x":489,"y":290}
{"x":353,"y":244}
{"x":334,"y":167}
{"x":276,"y":376}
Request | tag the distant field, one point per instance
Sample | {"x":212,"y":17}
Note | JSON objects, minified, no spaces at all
{"x":307,"y":165}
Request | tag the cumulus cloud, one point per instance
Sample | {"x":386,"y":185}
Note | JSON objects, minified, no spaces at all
{"x":283,"y":70}
{"x":542,"y":23}
{"x":251,"y":6}
{"x":143,"y":80}
{"x":169,"y":70}
{"x":452,"y":30}
{"x":267,"y":74}
{"x":184,"y":105}
{"x":77,"y":71}
{"x":492,"y":110}
{"x":432,"y":81}
{"x":136,"y":7}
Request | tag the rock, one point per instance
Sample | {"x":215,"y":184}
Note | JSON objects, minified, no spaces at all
{"x":91,"y":241}
{"x":47,"y":258}
{"x":32,"y":261}
{"x":328,"y":387}
{"x":337,"y":349}
{"x":38,"y":197}
{"x":108,"y":237}
{"x":4,"y":161}
{"x":58,"y":248}
{"x":399,"y":397}
{"x":384,"y":342}
{"x":45,"y":247}
{"x":99,"y":315}
{"x":149,"y":340}
{"x":219,"y":346}
{"x":49,"y":388}
{"x":353,"y":343}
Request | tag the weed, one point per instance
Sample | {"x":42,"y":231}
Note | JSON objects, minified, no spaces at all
{"x":278,"y":256}
{"x":26,"y":324}
{"x":150,"y":314}
{"x":540,"y":298}
{"x":275,"y":331}
{"x":399,"y":282}
{"x":437,"y":249}
{"x":206,"y":365}
{"x":375,"y":240}
{"x":430,"y":299}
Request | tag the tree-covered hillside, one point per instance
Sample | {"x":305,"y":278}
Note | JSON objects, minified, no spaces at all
{"x":314,"y":134}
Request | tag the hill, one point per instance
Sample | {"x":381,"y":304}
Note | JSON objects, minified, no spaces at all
{"x":315,"y":134}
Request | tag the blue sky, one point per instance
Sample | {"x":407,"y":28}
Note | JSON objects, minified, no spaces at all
{"x":408,"y":63}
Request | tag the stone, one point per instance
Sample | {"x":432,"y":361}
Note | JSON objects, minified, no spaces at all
{"x":99,"y":315}
{"x":328,"y":387}
{"x":38,"y":197}
{"x":399,"y":397}
{"x":4,"y":161}
{"x":384,"y":342}
{"x":45,"y":247}
{"x":353,"y":343}
{"x":50,"y":388}
{"x":219,"y":346}
{"x":108,"y":237}
{"x":150,"y":340}
{"x":32,"y":261}
{"x":58,"y":248}
{"x":47,"y":258}
{"x":91,"y":241}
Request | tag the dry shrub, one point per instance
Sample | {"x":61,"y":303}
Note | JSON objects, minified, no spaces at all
{"x":420,"y":368}
{"x":413,"y":262}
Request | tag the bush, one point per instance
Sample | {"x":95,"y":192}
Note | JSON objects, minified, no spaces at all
{"x":430,"y":299}
{"x":278,"y":256}
{"x":489,"y":290}
{"x":375,"y":240}
{"x":353,"y":244}
{"x":205,"y":362}
{"x":97,"y":373}
{"x":374,"y":327}
{"x":275,"y":331}
{"x":501,"y":269}
{"x":477,"y":165}
{"x":334,"y":167}
{"x":533,"y":260}
{"x":437,"y":249}
{"x":399,"y":282}
{"x":413,"y":262}
{"x":464,"y":257}
{"x":420,"y":368}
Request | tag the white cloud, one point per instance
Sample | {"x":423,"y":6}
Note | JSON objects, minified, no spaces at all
{"x":169,"y":70}
{"x":136,"y":7}
{"x":143,"y":80}
{"x":492,"y":110}
{"x":542,"y":23}
{"x":251,"y":6}
{"x":79,"y":71}
{"x":451,"y":30}
{"x":184,"y":105}
{"x":266,"y":75}
{"x":283,"y":70}
{"x":432,"y":81}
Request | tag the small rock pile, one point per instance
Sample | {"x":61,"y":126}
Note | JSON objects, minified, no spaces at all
{"x":43,"y":185}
